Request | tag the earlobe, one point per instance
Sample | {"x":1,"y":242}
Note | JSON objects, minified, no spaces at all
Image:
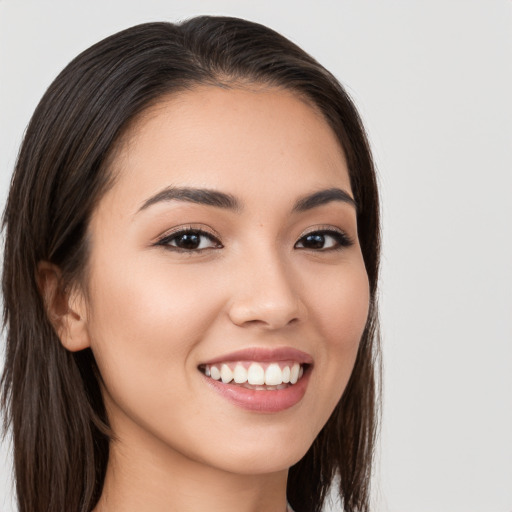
{"x":65,"y":308}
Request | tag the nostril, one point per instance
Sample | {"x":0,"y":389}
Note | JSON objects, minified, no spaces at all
{"x":270,"y":314}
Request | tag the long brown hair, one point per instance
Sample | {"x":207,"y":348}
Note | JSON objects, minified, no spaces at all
{"x":51,"y":397}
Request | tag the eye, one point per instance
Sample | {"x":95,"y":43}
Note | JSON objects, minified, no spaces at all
{"x":324,"y":240}
{"x":190,"y":240}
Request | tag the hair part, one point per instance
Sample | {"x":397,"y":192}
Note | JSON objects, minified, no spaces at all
{"x":51,"y":397}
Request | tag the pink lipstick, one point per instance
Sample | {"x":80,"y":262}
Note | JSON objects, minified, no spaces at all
{"x":260,"y":379}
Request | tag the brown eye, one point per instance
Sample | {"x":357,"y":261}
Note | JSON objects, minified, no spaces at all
{"x":314,"y":241}
{"x":323,"y":240}
{"x":190,"y":240}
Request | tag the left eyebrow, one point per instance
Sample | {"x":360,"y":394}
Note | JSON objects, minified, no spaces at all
{"x":323,"y":197}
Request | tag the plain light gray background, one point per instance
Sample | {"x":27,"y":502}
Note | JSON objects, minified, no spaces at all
{"x":433,"y":82}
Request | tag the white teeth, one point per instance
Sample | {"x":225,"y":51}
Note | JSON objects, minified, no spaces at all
{"x":273,"y":375}
{"x":240,"y":374}
{"x":214,"y":372}
{"x":294,"y":373}
{"x":255,"y":375}
{"x":226,"y":374}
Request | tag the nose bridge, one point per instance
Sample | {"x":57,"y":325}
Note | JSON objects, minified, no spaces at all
{"x":266,"y":291}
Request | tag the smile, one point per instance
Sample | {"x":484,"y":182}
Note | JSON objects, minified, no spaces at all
{"x":267,"y":376}
{"x":260,"y":380}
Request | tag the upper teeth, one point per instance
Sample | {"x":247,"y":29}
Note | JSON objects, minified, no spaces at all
{"x":256,"y":374}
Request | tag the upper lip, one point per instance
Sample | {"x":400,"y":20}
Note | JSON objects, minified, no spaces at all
{"x":264,"y":355}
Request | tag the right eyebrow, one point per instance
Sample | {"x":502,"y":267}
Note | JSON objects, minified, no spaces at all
{"x":194,"y":195}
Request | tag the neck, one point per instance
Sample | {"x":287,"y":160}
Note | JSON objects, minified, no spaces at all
{"x":140,"y":478}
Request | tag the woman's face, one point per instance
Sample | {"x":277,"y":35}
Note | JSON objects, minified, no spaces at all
{"x":228,"y":244}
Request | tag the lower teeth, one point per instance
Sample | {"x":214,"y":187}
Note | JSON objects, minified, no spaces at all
{"x":263,"y":388}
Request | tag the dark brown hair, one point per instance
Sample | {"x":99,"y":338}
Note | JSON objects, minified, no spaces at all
{"x":51,"y":397}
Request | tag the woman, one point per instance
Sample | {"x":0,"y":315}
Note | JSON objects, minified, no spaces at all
{"x":190,"y":275}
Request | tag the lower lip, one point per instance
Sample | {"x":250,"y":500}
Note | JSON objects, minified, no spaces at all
{"x":259,"y":400}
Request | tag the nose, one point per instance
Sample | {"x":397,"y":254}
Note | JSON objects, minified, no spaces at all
{"x":266,"y":293}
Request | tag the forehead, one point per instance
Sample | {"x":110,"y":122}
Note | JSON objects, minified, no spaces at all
{"x":243,"y":140}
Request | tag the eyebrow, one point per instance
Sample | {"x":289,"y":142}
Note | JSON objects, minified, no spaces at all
{"x":222,"y":200}
{"x":195,"y":195}
{"x":323,"y":197}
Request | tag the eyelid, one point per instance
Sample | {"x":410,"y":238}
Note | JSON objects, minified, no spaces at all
{"x":324,"y":229}
{"x":328,"y":229}
{"x":209,"y":232}
{"x":321,"y":227}
{"x":164,"y":239}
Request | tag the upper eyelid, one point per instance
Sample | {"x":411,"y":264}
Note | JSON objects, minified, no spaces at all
{"x":164,"y":241}
{"x":323,"y":229}
{"x":210,"y":232}
{"x":347,"y":239}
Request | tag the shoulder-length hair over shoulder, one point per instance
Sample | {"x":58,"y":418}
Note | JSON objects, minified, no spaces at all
{"x":51,"y":397}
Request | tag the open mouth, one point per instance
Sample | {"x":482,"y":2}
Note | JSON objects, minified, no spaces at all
{"x":268,"y":376}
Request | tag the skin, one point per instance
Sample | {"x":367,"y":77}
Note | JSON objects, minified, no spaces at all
{"x":152,"y":314}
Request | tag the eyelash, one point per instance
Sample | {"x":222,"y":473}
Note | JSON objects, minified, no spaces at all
{"x":342,"y":240}
{"x":167,"y":239}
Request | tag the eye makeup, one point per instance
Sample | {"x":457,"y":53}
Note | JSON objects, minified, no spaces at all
{"x":193,"y":239}
{"x":317,"y":239}
{"x":189,"y":239}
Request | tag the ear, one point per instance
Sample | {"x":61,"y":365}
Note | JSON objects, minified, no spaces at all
{"x":65,"y":308}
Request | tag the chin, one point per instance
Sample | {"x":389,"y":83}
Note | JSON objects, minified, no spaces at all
{"x":265,"y":453}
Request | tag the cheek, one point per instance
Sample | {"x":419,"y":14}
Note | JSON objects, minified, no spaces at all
{"x":341,"y":311}
{"x":133,"y":303}
{"x":144,"y":322}
{"x":341,"y":306}
{"x":350,"y":315}
{"x":144,"y":327}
